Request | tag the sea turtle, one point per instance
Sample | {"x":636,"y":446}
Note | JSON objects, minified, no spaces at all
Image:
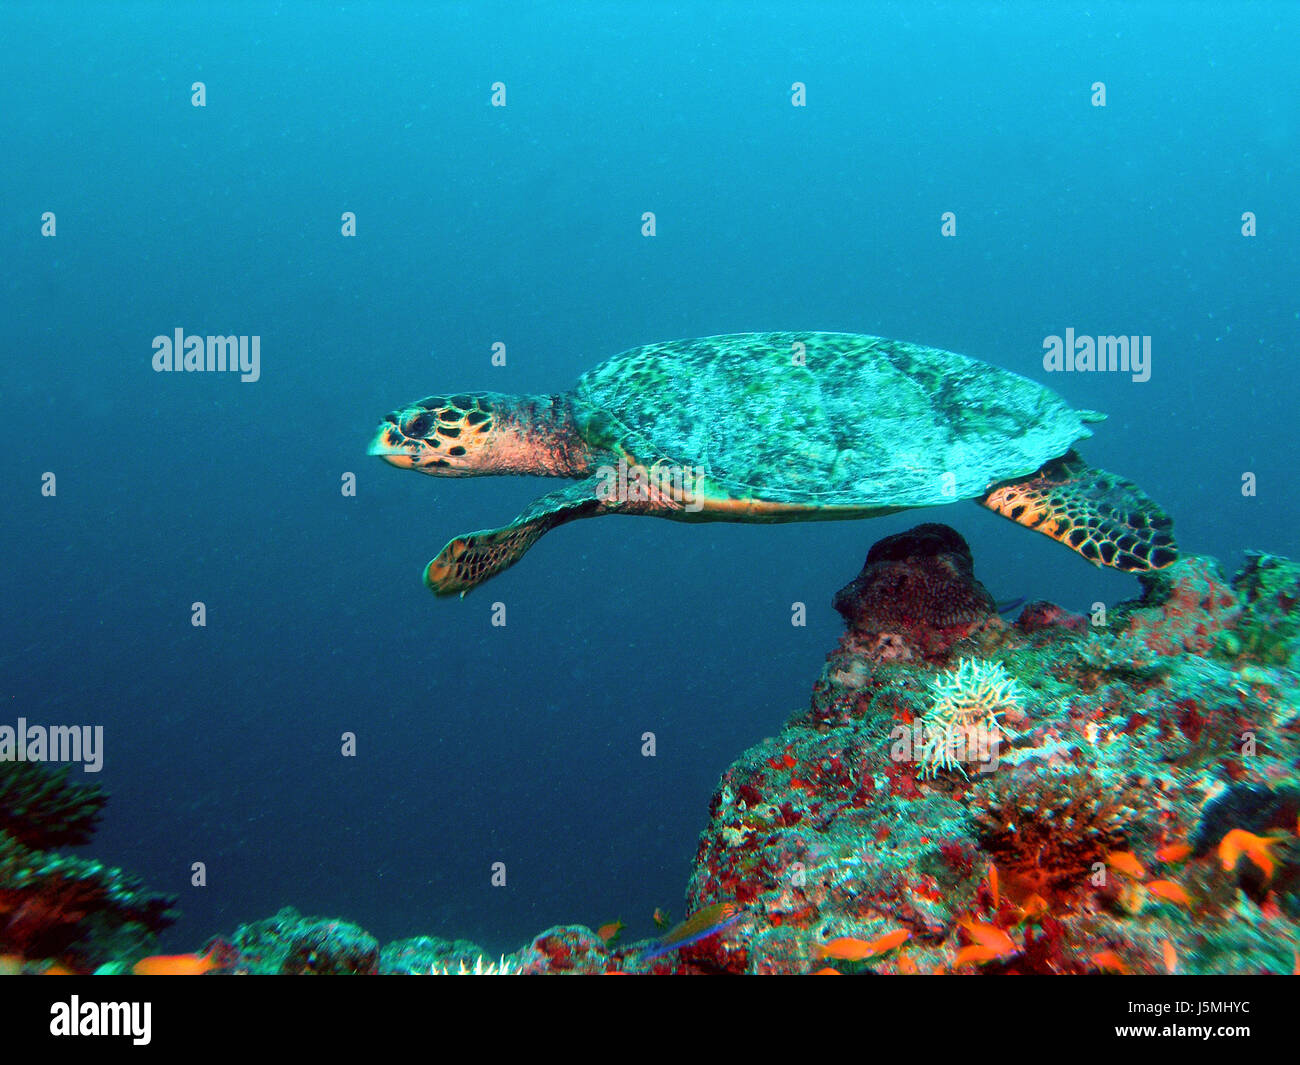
{"x":766,"y":427}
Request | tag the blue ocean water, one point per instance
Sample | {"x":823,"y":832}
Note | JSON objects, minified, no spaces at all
{"x":522,"y":224}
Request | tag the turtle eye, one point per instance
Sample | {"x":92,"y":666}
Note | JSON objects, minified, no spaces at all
{"x":416,"y":426}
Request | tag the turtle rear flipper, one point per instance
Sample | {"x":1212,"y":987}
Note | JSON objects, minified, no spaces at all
{"x":1108,"y":520}
{"x":472,"y":558}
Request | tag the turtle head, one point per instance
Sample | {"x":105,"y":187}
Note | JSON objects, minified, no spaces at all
{"x":475,"y":433}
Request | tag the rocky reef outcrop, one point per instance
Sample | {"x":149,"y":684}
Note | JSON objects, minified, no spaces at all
{"x":58,"y":909}
{"x":1082,"y":830}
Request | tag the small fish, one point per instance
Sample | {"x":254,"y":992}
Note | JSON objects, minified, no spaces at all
{"x":1126,"y":862}
{"x":660,"y":918}
{"x":828,"y":971}
{"x":993,"y":886}
{"x":1005,"y":606}
{"x":57,"y":968}
{"x":847,"y":948}
{"x":178,"y":964}
{"x":974,"y":955}
{"x":1171,"y":955}
{"x":1256,"y":848}
{"x":1035,"y":906}
{"x":906,"y":966}
{"x":1173,"y":852}
{"x":1110,"y":962}
{"x":700,"y":925}
{"x":1169,"y":891}
{"x":994,"y":939}
{"x":609,"y":932}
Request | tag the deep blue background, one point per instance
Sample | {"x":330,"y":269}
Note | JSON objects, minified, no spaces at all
{"x":521,"y":744}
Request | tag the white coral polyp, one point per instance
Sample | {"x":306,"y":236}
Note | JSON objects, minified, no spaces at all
{"x":492,"y":968}
{"x":967,"y":705}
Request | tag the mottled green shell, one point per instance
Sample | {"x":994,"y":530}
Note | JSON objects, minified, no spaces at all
{"x":833,"y":419}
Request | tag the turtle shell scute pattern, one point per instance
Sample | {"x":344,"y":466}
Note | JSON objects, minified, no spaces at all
{"x":827,"y":419}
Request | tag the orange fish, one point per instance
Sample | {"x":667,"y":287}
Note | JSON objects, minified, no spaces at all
{"x":1110,"y":962}
{"x":660,"y":918}
{"x":828,"y":971}
{"x":1256,"y":848}
{"x":609,"y":931}
{"x":847,"y":948}
{"x":1173,"y":852}
{"x":993,"y":886}
{"x":1126,"y":862}
{"x":1171,"y":955}
{"x":178,"y":964}
{"x":976,"y":954}
{"x":58,"y":969}
{"x":1169,"y":891}
{"x":994,"y":939}
{"x":906,"y":966}
{"x":1033,"y":907}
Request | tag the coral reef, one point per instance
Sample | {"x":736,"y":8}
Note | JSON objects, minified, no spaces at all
{"x":79,"y":912}
{"x":291,"y":944}
{"x":1133,"y":748}
{"x":425,"y":955}
{"x":1132,"y":807}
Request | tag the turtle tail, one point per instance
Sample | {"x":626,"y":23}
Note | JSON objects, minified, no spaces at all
{"x":1110,"y":521}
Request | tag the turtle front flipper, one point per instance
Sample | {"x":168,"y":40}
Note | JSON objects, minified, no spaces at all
{"x":1108,"y":520}
{"x":472,"y":558}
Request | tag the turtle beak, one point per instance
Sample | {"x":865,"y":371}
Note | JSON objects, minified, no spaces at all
{"x":394,"y":446}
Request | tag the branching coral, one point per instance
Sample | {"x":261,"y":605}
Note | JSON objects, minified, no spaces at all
{"x":965,"y":713}
{"x":45,"y":809}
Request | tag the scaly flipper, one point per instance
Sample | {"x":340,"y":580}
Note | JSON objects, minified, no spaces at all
{"x":1108,"y":520}
{"x":471,"y":559}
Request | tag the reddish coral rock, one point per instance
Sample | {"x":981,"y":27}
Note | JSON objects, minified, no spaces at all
{"x":913,"y":587}
{"x":1119,"y":736}
{"x":1041,"y":614}
{"x":565,"y":949}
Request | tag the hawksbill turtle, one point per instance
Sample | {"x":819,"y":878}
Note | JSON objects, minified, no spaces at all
{"x":766,"y":427}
